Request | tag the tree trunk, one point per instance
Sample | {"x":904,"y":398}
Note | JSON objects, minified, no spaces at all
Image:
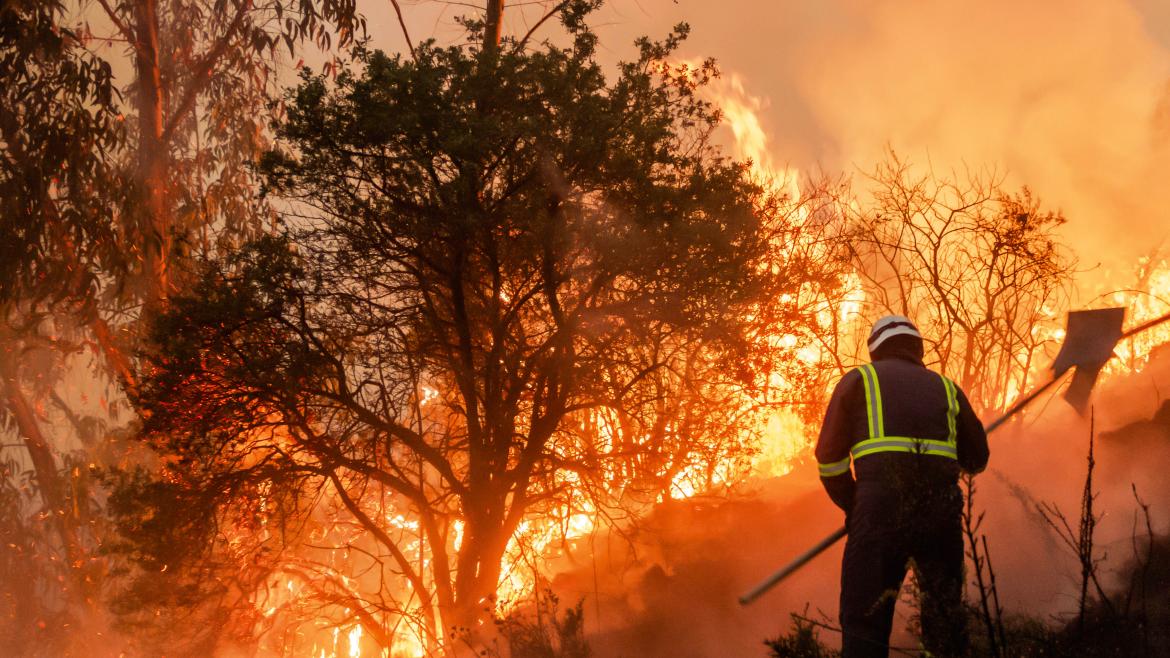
{"x":493,"y":25}
{"x":115,"y":357}
{"x":152,"y":153}
{"x":49,"y":482}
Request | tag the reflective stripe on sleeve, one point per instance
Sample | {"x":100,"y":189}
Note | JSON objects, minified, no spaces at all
{"x":834,"y":469}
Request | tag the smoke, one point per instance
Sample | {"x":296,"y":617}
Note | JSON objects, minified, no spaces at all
{"x":1043,"y":459}
{"x":670,"y":587}
{"x":1070,"y":98}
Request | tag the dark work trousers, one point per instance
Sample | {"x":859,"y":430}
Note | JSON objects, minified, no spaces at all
{"x":893,"y":528}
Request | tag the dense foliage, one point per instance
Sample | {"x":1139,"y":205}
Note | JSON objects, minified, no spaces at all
{"x":488,"y":256}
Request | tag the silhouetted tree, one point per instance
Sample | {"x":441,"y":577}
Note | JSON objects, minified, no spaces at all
{"x":487,"y":249}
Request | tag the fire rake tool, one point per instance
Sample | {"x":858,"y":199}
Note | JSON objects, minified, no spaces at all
{"x":1088,"y":345}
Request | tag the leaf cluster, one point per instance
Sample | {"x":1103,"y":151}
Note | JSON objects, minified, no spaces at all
{"x":58,"y":127}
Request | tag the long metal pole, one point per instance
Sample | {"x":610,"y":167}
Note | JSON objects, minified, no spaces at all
{"x":792,"y":566}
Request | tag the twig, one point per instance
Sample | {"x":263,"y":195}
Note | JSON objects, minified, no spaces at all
{"x":1145,"y":568}
{"x":1080,"y":541}
{"x":971,"y":525}
{"x":552,"y":12}
{"x":995,"y":598}
{"x":121,"y":25}
{"x":405,"y":33}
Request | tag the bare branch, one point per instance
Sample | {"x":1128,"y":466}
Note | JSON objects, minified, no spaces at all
{"x":405,"y":33}
{"x":552,"y":12}
{"x":122,"y":27}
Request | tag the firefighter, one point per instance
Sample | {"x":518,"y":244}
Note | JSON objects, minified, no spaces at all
{"x":908,"y":432}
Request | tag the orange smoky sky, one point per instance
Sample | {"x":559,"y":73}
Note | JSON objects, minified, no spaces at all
{"x":1071,"y":98}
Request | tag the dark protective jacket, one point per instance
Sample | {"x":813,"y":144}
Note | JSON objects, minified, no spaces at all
{"x":907,"y":432}
{"x":882,"y":411}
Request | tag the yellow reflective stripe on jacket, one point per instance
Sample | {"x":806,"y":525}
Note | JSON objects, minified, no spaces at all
{"x":879,"y":442}
{"x":952,"y":409}
{"x":873,"y":401}
{"x":834,"y":469}
{"x":904,"y":444}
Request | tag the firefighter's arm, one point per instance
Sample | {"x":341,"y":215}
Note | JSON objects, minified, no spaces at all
{"x":972,"y":439}
{"x":833,"y":445}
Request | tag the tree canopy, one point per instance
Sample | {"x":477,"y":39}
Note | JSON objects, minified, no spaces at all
{"x":486,"y":252}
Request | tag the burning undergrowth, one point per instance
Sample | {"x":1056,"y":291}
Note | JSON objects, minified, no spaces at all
{"x":670,"y":588}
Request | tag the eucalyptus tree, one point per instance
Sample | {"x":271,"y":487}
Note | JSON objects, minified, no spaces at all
{"x":203,"y":71}
{"x":108,"y":184}
{"x":59,"y":130}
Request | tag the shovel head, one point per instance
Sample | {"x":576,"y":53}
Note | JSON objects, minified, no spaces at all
{"x":1088,"y":344}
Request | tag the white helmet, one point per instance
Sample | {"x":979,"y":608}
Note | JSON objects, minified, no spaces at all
{"x":891,"y":325}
